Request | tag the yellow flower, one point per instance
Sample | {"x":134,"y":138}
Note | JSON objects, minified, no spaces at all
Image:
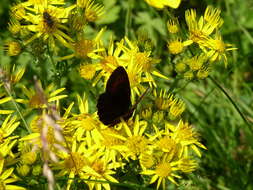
{"x":93,"y":11}
{"x":189,"y":75}
{"x":147,"y":160}
{"x":4,"y":100}
{"x":203,"y":72}
{"x":35,"y":100}
{"x":73,"y":163}
{"x":28,"y":157}
{"x":86,"y":48}
{"x":87,"y":71}
{"x":77,"y":22}
{"x":200,"y":29}
{"x":81,"y":3}
{"x":217,"y":49}
{"x":6,"y":179}
{"x":86,"y":125}
{"x":177,"y":108}
{"x":46,"y":129}
{"x":197,"y":62}
{"x":135,"y":142}
{"x":146,"y":113}
{"x":168,"y":145}
{"x":177,"y":46}
{"x":158,"y":117}
{"x":163,"y":100}
{"x":47,"y":22}
{"x":99,"y":169}
{"x":173,"y":26}
{"x":163,"y":3}
{"x":12,"y":48}
{"x":163,"y":170}
{"x":11,"y":75}
{"x":185,"y":135}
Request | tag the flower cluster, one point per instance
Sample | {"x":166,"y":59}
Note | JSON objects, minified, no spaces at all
{"x":91,"y":151}
{"x":44,"y":132}
{"x":203,"y":32}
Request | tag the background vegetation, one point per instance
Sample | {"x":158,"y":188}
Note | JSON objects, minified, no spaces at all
{"x":227,"y":164}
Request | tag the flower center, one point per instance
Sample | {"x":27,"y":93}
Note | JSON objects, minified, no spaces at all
{"x":75,"y":162}
{"x":137,"y":144}
{"x":109,"y":60}
{"x":98,"y":167}
{"x":144,"y":60}
{"x":109,"y":140}
{"x":83,"y":47}
{"x":220,"y":46}
{"x":175,"y":47}
{"x":163,"y":170}
{"x":87,"y":122}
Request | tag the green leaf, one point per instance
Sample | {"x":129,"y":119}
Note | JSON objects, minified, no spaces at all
{"x":111,"y":12}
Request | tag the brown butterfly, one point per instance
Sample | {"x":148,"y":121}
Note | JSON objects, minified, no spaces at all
{"x":115,"y":103}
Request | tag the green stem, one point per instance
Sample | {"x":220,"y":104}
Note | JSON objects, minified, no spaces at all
{"x":16,"y":106}
{"x":128,"y":20}
{"x":54,"y":66}
{"x":232,"y":101}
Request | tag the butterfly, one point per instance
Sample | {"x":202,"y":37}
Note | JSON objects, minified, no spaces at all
{"x":115,"y":102}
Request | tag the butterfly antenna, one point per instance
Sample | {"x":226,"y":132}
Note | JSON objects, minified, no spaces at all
{"x":138,"y":101}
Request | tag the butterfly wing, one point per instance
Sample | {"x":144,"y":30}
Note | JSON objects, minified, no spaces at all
{"x":115,"y":102}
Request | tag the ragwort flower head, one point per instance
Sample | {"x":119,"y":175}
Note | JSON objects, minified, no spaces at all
{"x":36,"y":100}
{"x":99,"y":169}
{"x":93,"y":11}
{"x":216,"y":49}
{"x":84,"y":124}
{"x":187,"y":136}
{"x":203,"y":27}
{"x":86,"y":48}
{"x":163,"y":171}
{"x":73,"y":162}
{"x":173,"y":26}
{"x":12,"y":48}
{"x":176,"y":46}
{"x":46,"y":21}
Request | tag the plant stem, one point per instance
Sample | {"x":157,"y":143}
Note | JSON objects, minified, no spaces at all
{"x":56,"y":74}
{"x":128,"y":21}
{"x":232,"y":101}
{"x":16,"y":106}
